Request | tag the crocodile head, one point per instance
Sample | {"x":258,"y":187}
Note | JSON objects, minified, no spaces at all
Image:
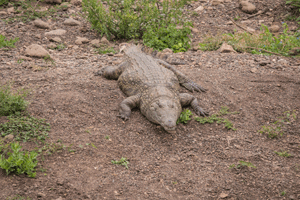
{"x":164,"y":111}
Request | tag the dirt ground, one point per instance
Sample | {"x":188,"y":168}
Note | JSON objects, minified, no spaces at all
{"x":195,"y":162}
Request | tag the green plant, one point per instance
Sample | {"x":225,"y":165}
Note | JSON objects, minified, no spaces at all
{"x":231,"y":166}
{"x":263,"y":43}
{"x":25,"y":128}
{"x":275,"y":129}
{"x":60,"y":47}
{"x":215,"y":118}
{"x":19,"y":162}
{"x":7,"y":43}
{"x":2,"y":2}
{"x":295,"y":3}
{"x":18,"y":197}
{"x":160,"y":38}
{"x":103,"y":50}
{"x":236,"y":18}
{"x":12,"y":103}
{"x":130,"y":19}
{"x":122,"y":161}
{"x":107,"y":137}
{"x":282,"y":193}
{"x":283,"y":153}
{"x":184,"y":116}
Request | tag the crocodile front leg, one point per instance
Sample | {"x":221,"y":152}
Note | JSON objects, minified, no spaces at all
{"x":128,"y":104}
{"x":111,"y":72}
{"x":183,"y":80}
{"x":187,"y":99}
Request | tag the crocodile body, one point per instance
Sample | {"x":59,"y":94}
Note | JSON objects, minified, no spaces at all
{"x":152,"y":85}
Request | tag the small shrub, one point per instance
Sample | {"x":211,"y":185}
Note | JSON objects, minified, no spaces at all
{"x":168,"y":37}
{"x":128,"y":19}
{"x":184,"y":116}
{"x":7,"y":43}
{"x":19,"y":162}
{"x":25,"y":128}
{"x":295,"y":3}
{"x":11,"y":103}
{"x":264,"y":43}
{"x":3,"y":2}
{"x":122,"y":161}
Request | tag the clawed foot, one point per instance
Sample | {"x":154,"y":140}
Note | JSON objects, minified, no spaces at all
{"x":200,"y":111}
{"x":123,"y":116}
{"x":191,"y":86}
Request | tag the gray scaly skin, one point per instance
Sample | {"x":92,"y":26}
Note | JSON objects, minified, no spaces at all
{"x":153,"y":86}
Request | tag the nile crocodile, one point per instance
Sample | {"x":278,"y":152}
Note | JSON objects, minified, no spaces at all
{"x":152,"y":85}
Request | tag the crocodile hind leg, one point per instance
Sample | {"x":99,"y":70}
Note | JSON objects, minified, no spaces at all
{"x":187,"y":99}
{"x":128,"y":104}
{"x":111,"y":72}
{"x":183,"y":80}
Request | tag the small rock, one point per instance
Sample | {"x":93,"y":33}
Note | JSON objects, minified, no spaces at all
{"x":229,"y":23}
{"x":71,"y":22}
{"x":247,"y":7}
{"x":10,"y":10}
{"x":264,"y":63}
{"x":40,"y":194}
{"x":9,"y":137}
{"x":51,"y":46}
{"x":65,"y":6}
{"x":55,"y":39}
{"x":223,"y":195}
{"x":261,"y":21}
{"x":41,"y":24}
{"x":167,"y":50}
{"x":194,"y":30}
{"x":274,"y":28}
{"x":200,"y":8}
{"x":251,"y":30}
{"x":104,"y":41}
{"x":59,"y":198}
{"x":24,"y":58}
{"x":38,"y":36}
{"x":75,"y":47}
{"x":3,"y":13}
{"x":81,"y":40}
{"x":226,"y":48}
{"x":53,"y":1}
{"x":96,"y":43}
{"x":56,"y":32}
{"x":216,"y":2}
{"x":36,"y":50}
{"x":253,"y":70}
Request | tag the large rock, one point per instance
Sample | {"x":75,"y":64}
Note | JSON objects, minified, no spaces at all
{"x":96,"y":43}
{"x":226,"y":48}
{"x":247,"y":7}
{"x":36,"y":50}
{"x":71,"y":22}
{"x":81,"y":40}
{"x":41,"y":24}
{"x":105,"y":41}
{"x":53,"y":1}
{"x":56,"y":32}
{"x":274,"y":28}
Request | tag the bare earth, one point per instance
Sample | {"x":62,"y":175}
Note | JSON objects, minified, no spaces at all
{"x":191,"y":164}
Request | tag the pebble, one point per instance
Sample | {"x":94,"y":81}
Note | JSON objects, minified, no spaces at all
{"x":71,"y":22}
{"x":56,"y":32}
{"x":41,"y":24}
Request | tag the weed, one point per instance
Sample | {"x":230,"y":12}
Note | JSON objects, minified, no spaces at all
{"x":20,"y":61}
{"x":244,"y":163}
{"x":103,"y":50}
{"x":107,"y":137}
{"x":237,"y":18}
{"x":231,"y":166}
{"x":295,"y":3}
{"x":12,"y":103}
{"x":60,"y":47}
{"x":7,"y":43}
{"x":282,"y":193}
{"x":19,"y":162}
{"x":263,"y":43}
{"x":88,"y":131}
{"x":184,"y":116}
{"x":283,"y":153}
{"x":130,"y":19}
{"x":195,"y":14}
{"x":122,"y":161}
{"x":3,"y":2}
{"x":215,"y":118}
{"x":18,"y":197}
{"x":25,"y":128}
{"x":275,"y":129}
{"x":174,"y":182}
{"x":80,"y":146}
{"x":160,"y":38}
